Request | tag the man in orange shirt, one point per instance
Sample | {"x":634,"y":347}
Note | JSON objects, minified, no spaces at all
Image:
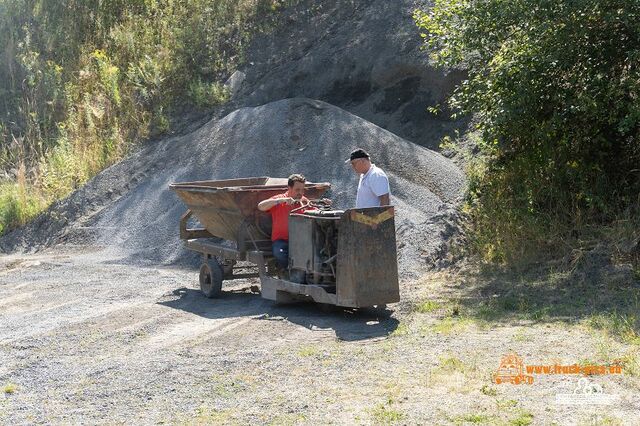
{"x":280,"y":206}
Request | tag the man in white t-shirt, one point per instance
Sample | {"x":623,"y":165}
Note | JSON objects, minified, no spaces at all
{"x":373,"y":188}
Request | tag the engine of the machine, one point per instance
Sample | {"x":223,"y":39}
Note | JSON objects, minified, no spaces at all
{"x":313,"y":247}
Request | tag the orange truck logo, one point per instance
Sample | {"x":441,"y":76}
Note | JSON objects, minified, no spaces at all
{"x":512,"y":371}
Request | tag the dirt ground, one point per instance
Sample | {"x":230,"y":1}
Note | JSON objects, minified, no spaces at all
{"x":84,"y":339}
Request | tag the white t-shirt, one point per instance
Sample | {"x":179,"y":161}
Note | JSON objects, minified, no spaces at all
{"x":372,"y":185}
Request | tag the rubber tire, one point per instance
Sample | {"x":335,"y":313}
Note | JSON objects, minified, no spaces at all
{"x":211,"y":278}
{"x":381,"y":309}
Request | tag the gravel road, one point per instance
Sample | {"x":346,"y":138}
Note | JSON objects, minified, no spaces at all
{"x":85,"y":339}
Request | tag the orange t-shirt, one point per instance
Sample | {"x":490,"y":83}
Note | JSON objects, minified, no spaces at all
{"x":280,"y":217}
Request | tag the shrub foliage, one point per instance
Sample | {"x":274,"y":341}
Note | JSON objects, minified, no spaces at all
{"x":554,"y":87}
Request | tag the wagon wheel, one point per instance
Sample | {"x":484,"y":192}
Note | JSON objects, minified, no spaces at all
{"x":381,"y":310}
{"x":211,"y":278}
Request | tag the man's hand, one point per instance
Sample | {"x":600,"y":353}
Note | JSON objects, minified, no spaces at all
{"x":326,"y":201}
{"x":288,"y":200}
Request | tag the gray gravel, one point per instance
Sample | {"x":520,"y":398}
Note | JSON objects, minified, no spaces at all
{"x":361,"y":55}
{"x":129,"y":210}
{"x":84,"y":340}
{"x":95,"y":330}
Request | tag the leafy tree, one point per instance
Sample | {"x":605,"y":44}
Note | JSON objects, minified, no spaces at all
{"x":554,"y":85}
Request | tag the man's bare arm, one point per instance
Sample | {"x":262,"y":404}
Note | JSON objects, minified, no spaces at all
{"x":266,"y":205}
{"x":384,"y":200}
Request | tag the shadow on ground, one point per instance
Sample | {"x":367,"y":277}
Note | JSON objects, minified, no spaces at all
{"x":607,"y":296}
{"x":348,"y":324}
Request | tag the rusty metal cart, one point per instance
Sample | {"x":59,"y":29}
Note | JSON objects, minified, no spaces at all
{"x":343,"y":258}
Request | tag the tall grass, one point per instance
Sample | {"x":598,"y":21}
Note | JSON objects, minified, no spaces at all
{"x":18,"y":202}
{"x":503,"y":226}
{"x":82,"y":82}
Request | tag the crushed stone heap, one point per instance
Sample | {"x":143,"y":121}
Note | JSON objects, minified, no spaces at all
{"x":129,"y":210}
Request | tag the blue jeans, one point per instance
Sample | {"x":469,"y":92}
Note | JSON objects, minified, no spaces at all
{"x":281,"y":253}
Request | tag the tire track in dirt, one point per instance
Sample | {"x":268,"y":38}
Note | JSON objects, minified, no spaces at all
{"x":48,"y":320}
{"x":95,"y":335}
{"x":194,"y":332}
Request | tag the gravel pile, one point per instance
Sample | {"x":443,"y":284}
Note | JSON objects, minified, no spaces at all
{"x":129,"y":210}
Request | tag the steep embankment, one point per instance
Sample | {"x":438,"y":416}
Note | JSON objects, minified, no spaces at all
{"x":333,"y":52}
{"x":361,"y":55}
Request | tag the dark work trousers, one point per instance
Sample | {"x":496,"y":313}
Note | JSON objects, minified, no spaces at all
{"x":281,"y":253}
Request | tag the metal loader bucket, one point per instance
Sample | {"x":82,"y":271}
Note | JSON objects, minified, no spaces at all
{"x":228,"y":208}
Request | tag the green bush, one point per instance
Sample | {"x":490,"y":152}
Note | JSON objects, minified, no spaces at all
{"x":554,"y":86}
{"x":207,"y":94}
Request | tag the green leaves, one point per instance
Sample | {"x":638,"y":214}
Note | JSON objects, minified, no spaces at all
{"x":556,"y":84}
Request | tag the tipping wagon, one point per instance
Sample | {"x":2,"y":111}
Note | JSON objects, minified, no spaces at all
{"x":338,"y":257}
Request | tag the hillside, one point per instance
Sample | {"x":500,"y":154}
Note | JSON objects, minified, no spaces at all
{"x":328,"y":56}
